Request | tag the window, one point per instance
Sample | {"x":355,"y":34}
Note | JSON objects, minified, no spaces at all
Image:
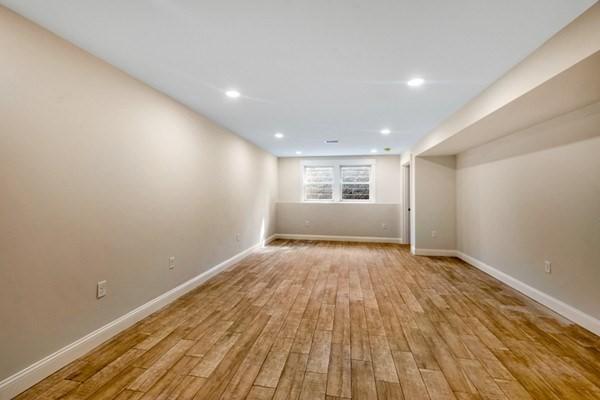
{"x":356,"y":182}
{"x":338,"y":180}
{"x":318,"y":183}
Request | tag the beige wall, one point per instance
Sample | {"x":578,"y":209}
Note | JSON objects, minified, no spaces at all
{"x":434,"y":206}
{"x":380,"y":219}
{"x":535,"y":196}
{"x":574,"y":43}
{"x":362,"y":220}
{"x":532,"y":192}
{"x":104,"y":178}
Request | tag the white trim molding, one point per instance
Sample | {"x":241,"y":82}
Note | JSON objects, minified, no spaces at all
{"x":29,"y":376}
{"x":405,"y":221}
{"x":334,"y":238}
{"x":571,"y":313}
{"x":577,"y":316}
{"x":24,"y":379}
{"x":433,"y":252}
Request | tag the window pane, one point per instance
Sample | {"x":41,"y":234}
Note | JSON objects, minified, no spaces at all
{"x":318,"y":174}
{"x":356,"y":174}
{"x":318,"y":191}
{"x":355,"y":191}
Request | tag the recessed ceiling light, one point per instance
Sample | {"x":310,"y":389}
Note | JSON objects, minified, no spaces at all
{"x":298,"y":152}
{"x":234,"y":94}
{"x":385,"y":131}
{"x":279,"y":135}
{"x":415,"y":82}
{"x":373,"y":150}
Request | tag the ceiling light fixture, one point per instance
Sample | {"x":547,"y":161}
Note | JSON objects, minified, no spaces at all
{"x":415,"y":82}
{"x":233,"y":94}
{"x":298,"y":152}
{"x":385,"y":131}
{"x":373,"y":150}
{"x":279,"y":135}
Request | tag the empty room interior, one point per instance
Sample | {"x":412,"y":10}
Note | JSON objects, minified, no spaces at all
{"x":271,"y":200}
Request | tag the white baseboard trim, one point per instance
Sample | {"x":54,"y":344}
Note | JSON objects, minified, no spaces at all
{"x":24,"y":379}
{"x":335,"y":238}
{"x":433,"y":252}
{"x":264,"y":242}
{"x":579,"y":317}
{"x":29,"y":376}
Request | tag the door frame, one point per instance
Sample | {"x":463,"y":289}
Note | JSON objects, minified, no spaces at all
{"x":406,"y":203}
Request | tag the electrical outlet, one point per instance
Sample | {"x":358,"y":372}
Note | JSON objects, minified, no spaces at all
{"x":548,"y":267}
{"x":101,"y":289}
{"x":433,"y":234}
{"x":384,"y":226}
{"x":237,"y":237}
{"x":172,"y":262}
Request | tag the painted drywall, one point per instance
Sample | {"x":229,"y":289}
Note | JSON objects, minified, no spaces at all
{"x":361,"y":220}
{"x":434,"y":207}
{"x":380,"y":219}
{"x":405,"y":158}
{"x":535,"y":196}
{"x":432,"y":192}
{"x":574,"y":43}
{"x":104,"y":178}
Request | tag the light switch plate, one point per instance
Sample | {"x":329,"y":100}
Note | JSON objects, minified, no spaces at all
{"x":101,"y":289}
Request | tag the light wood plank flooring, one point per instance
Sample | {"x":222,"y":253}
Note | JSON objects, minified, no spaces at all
{"x":324,"y":320}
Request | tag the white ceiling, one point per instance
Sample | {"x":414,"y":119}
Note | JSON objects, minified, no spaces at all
{"x":312,"y":69}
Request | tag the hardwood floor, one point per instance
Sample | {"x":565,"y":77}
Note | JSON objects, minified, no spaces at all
{"x":324,"y":320}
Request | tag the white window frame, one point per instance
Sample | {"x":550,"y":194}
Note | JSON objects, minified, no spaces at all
{"x":337,"y":178}
{"x":333,"y":183}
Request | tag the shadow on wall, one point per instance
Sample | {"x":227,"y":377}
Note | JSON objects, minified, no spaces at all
{"x":583,"y":123}
{"x":443,"y":161}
